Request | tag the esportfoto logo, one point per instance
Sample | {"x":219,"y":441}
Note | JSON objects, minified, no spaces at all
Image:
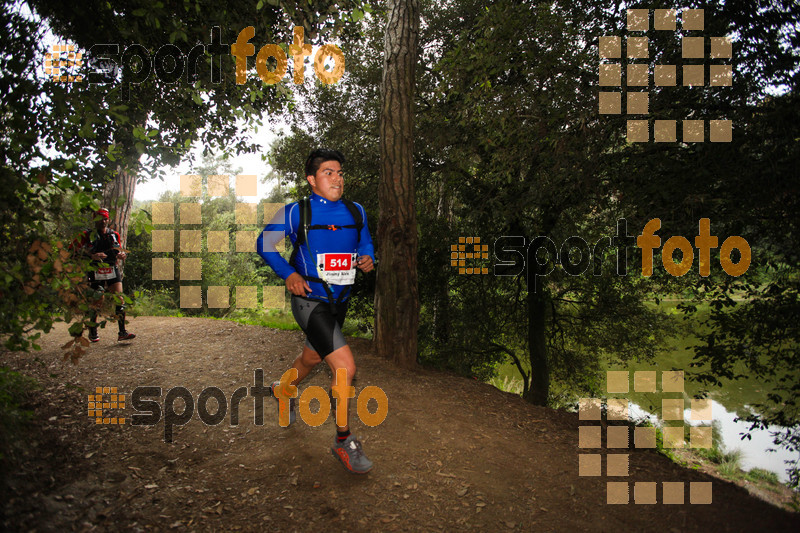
{"x":513,"y":254}
{"x":135,"y":64}
{"x":150,"y":410}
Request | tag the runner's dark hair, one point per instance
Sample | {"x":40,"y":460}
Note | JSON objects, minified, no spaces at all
{"x":319,"y":156}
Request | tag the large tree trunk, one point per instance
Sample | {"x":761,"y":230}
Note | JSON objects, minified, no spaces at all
{"x":396,"y":293}
{"x":118,"y":195}
{"x":118,"y":198}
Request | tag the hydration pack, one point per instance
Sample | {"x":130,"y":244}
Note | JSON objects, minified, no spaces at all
{"x":302,"y":237}
{"x":305,"y":224}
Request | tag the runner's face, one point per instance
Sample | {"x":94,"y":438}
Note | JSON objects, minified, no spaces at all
{"x":328,"y":181}
{"x":101,"y":225}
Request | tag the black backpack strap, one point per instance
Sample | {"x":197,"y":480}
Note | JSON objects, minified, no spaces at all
{"x":357,"y":218}
{"x":358,"y":221}
{"x":304,"y":205}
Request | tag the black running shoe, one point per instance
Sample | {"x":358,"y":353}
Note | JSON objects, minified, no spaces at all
{"x":125,"y":336}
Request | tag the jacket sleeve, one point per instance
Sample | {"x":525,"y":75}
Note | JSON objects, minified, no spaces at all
{"x":365,"y":246}
{"x":278,"y":228}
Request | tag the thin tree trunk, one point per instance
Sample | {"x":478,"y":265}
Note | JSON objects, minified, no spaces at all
{"x":396,"y":293}
{"x":538,"y":301}
{"x":441,"y":303}
{"x":537,"y":342}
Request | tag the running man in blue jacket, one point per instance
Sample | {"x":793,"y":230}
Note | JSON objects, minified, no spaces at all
{"x":330,"y":239}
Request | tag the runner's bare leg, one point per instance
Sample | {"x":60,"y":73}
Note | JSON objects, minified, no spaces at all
{"x":342,"y":358}
{"x":304,"y":363}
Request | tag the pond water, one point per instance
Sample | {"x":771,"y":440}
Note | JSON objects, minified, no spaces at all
{"x":754,"y":451}
{"x":733,"y":399}
{"x":730,"y":400}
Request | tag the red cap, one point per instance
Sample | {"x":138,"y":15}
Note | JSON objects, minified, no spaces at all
{"x":103,"y":212}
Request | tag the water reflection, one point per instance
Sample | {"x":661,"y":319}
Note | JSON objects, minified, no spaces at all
{"x":754,"y":451}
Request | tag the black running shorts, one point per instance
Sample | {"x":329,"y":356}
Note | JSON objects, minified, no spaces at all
{"x":321,"y":322}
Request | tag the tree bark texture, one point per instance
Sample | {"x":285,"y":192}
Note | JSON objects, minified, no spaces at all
{"x":396,"y":293}
{"x":123,"y":185}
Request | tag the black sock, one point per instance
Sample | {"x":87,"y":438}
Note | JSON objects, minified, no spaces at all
{"x":93,"y":330}
{"x":341,"y":436}
{"x":120,"y":311}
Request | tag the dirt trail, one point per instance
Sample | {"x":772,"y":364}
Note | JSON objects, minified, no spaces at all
{"x":453,"y":454}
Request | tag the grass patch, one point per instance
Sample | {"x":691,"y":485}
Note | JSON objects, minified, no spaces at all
{"x":730,"y":464}
{"x":507,"y":383}
{"x":273,"y":318}
{"x":759,"y":474}
{"x":155,"y":303}
{"x":660,"y":448}
{"x":720,"y":457}
{"x":726,"y":463}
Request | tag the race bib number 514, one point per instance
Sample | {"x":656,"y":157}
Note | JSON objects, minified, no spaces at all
{"x":337,"y":269}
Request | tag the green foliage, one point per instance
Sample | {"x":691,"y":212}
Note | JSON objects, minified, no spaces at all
{"x":747,"y":187}
{"x":65,"y":141}
{"x":44,"y":281}
{"x":730,"y":464}
{"x":160,"y":117}
{"x":37,"y":270}
{"x":759,"y":474}
{"x":507,"y":384}
{"x":227,"y":269}
{"x":718,"y":455}
{"x":156,"y":302}
{"x":495,"y":155}
{"x":14,"y":394}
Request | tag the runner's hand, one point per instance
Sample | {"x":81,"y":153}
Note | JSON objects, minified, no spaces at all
{"x":364,"y":263}
{"x":121,"y":255}
{"x":297,"y":285}
{"x":98,"y":256}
